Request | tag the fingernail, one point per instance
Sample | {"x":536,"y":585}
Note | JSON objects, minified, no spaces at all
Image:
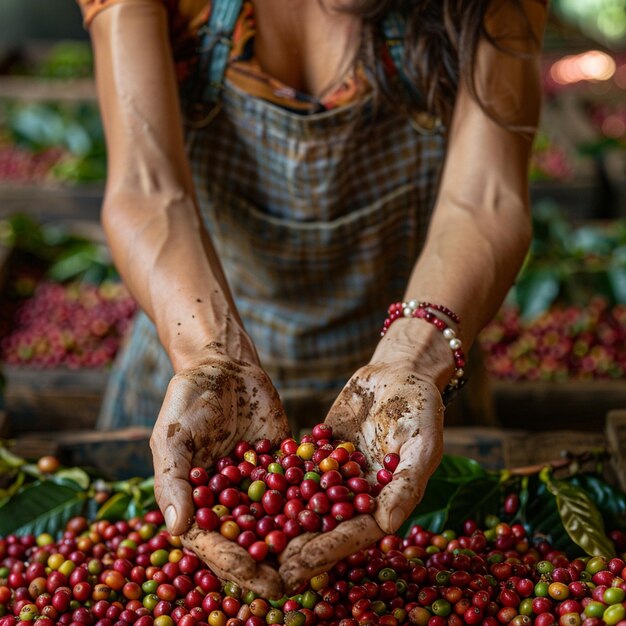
{"x":170,"y":517}
{"x":396,"y":519}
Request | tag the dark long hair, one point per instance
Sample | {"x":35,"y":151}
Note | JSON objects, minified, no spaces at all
{"x":440,"y":46}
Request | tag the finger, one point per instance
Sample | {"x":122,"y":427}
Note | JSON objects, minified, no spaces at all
{"x":419,"y":457}
{"x":229,"y":561}
{"x":267,"y":417}
{"x":295,"y":546}
{"x":172,"y":450}
{"x":348,"y":414}
{"x":323,"y":551}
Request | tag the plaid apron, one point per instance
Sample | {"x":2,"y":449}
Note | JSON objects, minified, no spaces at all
{"x":318,"y":220}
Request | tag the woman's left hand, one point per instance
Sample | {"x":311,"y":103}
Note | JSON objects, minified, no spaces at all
{"x":385,"y":408}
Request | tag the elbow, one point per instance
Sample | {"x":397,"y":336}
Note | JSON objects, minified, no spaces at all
{"x":114,"y":211}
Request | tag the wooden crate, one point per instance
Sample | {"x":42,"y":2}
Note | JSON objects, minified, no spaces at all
{"x":116,"y":455}
{"x":125,"y":453}
{"x":37,"y":400}
{"x":33,"y":89}
{"x":56,"y":204}
{"x":569,"y":405}
{"x":47,"y":399}
{"x":498,"y":448}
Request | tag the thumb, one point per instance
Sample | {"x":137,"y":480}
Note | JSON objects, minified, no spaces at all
{"x":419,"y":458}
{"x":172,"y":462}
{"x":172,"y":449}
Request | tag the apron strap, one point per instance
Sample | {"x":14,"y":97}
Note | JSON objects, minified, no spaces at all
{"x":216,"y":45}
{"x":393,"y":28}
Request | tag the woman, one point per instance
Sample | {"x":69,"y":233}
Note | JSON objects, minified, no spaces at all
{"x":314,"y":194}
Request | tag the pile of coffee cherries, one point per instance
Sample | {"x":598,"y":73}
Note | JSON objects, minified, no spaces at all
{"x":134,"y":573}
{"x":19,"y":165}
{"x":75,"y":325}
{"x":561,"y":344}
{"x":262,"y":498}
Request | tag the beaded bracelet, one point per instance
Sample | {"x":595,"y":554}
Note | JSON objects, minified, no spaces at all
{"x":420,"y":310}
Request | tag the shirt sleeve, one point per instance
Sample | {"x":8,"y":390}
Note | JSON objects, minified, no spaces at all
{"x":91,"y":8}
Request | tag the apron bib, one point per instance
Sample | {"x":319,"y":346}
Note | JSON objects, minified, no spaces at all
{"x":318,"y":220}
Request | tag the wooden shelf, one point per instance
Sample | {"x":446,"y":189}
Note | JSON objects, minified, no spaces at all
{"x":540,"y":406}
{"x":38,"y":90}
{"x":52,"y":203}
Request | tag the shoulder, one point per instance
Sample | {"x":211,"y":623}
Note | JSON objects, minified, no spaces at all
{"x":188,"y":12}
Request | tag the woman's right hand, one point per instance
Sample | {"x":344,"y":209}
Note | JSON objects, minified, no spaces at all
{"x":209,"y":406}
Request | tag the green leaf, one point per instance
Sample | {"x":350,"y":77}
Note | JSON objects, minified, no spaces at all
{"x":8,"y":460}
{"x":459,"y":468}
{"x":536,"y":291}
{"x":432,"y":511}
{"x":540,"y":515}
{"x":17,"y":481}
{"x":474,"y":500}
{"x":43,"y":507}
{"x":581,"y":519}
{"x":75,"y":475}
{"x":448,"y":480}
{"x":617,"y":278}
{"x":579,"y":286}
{"x":115,"y":507}
{"x":610,"y":501}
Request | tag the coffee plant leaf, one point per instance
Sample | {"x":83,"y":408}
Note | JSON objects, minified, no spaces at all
{"x":536,"y":291}
{"x":540,"y":515}
{"x":617,"y":278}
{"x":611,"y":502}
{"x":9,"y":461}
{"x":474,"y":500}
{"x":432,"y":511}
{"x":43,"y":507}
{"x":12,"y":486}
{"x":581,"y":519}
{"x":458,"y":469}
{"x":73,"y":476}
{"x":115,"y":507}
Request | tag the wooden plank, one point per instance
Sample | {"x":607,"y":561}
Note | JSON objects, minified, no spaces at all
{"x":483,"y":444}
{"x":50,"y":203}
{"x":616,"y":437}
{"x":37,"y":400}
{"x":566,"y":405}
{"x":522,"y":449}
{"x":31,"y":89}
{"x":116,"y":454}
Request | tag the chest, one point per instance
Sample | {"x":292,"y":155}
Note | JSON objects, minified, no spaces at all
{"x":307,"y":44}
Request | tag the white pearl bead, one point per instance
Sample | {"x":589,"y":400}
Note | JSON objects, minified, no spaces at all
{"x":453,"y":382}
{"x":448,"y":333}
{"x":455,"y":344}
{"x":407,"y":312}
{"x":459,"y":373}
{"x":413,"y":304}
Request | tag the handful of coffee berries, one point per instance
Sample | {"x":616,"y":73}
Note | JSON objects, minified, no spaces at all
{"x":262,"y":498}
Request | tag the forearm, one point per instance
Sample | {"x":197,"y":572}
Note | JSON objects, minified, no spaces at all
{"x":469,"y":263}
{"x":481,"y":227}
{"x":150,"y":215}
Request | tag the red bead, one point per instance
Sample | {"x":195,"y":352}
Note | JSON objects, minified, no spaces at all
{"x":440,"y":324}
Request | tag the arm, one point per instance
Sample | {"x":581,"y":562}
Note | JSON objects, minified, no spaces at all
{"x":219,"y":394}
{"x":481,"y":226}
{"x":477,"y":240}
{"x":150,"y":214}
